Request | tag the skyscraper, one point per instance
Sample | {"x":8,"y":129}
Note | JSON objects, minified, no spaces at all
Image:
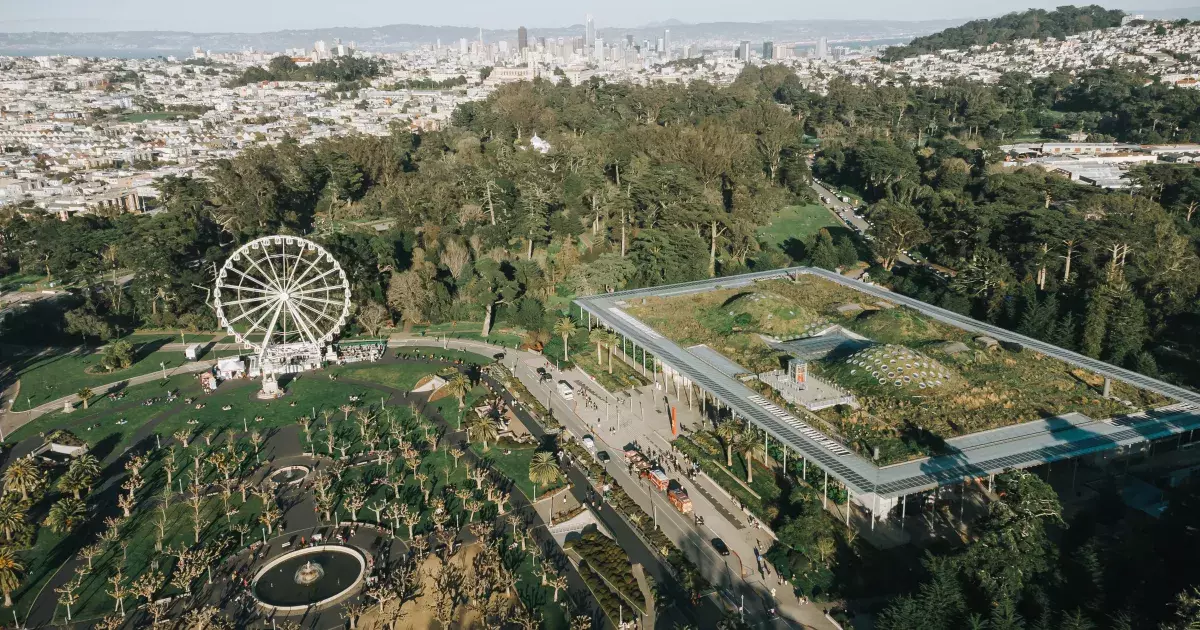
{"x":822,"y":48}
{"x":666,"y":51}
{"x":589,"y":33}
{"x":744,"y":51}
{"x":522,"y":39}
{"x":629,"y":41}
{"x":768,"y":50}
{"x":599,"y":46}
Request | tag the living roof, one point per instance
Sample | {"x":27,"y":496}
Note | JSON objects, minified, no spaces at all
{"x":994,"y":385}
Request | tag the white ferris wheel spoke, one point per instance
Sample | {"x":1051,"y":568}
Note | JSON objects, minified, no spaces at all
{"x":248,"y":300}
{"x":252,"y":278}
{"x":305,"y":325}
{"x":296,"y":265}
{"x":271,"y":280}
{"x":246,"y":313}
{"x":308,"y":291}
{"x":315,"y":278}
{"x":321,"y":314}
{"x":271,"y":292}
{"x":276,"y":279}
{"x":311,"y":265}
{"x":309,"y":298}
{"x":271,"y":327}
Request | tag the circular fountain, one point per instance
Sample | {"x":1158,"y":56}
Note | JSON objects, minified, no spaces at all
{"x":289,"y":475}
{"x":309,"y":578}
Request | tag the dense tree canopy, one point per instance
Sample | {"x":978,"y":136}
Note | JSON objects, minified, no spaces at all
{"x":1031,"y":24}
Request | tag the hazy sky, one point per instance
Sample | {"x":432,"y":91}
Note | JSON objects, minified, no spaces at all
{"x":267,"y":15}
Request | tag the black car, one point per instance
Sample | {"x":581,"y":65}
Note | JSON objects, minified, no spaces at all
{"x":720,"y":546}
{"x":603,"y":456}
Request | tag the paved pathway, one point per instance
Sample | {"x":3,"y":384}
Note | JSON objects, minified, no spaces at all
{"x":723,"y":572}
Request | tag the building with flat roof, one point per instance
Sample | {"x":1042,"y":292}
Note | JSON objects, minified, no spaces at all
{"x":1160,"y":410}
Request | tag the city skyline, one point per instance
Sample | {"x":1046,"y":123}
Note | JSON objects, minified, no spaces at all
{"x":274,"y":15}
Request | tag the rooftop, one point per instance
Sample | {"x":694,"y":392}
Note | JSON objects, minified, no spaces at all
{"x":1027,"y":442}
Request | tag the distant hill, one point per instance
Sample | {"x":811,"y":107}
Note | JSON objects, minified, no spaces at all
{"x":396,"y":37}
{"x":1032,"y":24}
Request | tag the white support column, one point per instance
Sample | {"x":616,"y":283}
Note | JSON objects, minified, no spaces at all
{"x":825,"y":492}
{"x":874,"y":506}
{"x":804,"y":468}
{"x":903,"y":507}
{"x":849,"y":500}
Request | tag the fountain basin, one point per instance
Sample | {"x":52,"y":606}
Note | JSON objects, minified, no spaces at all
{"x":309,"y":578}
{"x":289,"y":475}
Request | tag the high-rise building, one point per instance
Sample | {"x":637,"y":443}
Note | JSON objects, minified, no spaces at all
{"x":744,"y":51}
{"x":589,"y":33}
{"x":599,"y":49}
{"x":629,"y":41}
{"x":666,"y":51}
{"x":522,"y":39}
{"x":822,"y":48}
{"x":768,"y":50}
{"x":462,"y":46}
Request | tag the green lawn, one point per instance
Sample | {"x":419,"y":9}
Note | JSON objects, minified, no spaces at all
{"x":313,"y":391}
{"x":16,"y":281}
{"x":798,"y":222}
{"x":50,"y":378}
{"x":512,"y":460}
{"x":104,"y":412}
{"x":508,"y":338}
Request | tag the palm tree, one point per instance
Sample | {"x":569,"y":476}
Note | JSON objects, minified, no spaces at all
{"x":72,"y":482}
{"x":23,"y":476}
{"x":10,"y":569}
{"x":66,"y":514}
{"x":87,"y":465}
{"x":85,"y":395}
{"x":458,"y":386}
{"x":484,"y":430}
{"x":542,"y":469}
{"x":565,"y":327}
{"x":747,"y":442}
{"x":11,"y":517}
{"x":728,"y":431}
{"x":600,"y":338}
{"x":610,"y":341}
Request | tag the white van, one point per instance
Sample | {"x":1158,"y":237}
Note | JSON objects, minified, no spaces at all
{"x":565,"y":390}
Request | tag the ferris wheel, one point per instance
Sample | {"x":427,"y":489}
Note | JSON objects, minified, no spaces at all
{"x":281,"y":293}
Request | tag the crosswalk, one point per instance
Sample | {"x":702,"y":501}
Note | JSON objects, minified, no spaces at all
{"x":794,"y":422}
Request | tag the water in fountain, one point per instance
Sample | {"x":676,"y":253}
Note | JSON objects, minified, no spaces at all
{"x":308,"y":578}
{"x":308,"y":573}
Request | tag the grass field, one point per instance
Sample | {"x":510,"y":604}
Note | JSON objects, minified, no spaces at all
{"x":512,"y":460}
{"x":52,"y":377}
{"x":798,"y":222}
{"x":17,"y":281}
{"x":506,"y":337}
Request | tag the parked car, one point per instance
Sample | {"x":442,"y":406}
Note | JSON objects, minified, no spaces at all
{"x":720,"y":546}
{"x":589,"y":443}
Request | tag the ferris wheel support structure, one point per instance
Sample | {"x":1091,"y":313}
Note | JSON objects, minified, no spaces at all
{"x":286,"y":298}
